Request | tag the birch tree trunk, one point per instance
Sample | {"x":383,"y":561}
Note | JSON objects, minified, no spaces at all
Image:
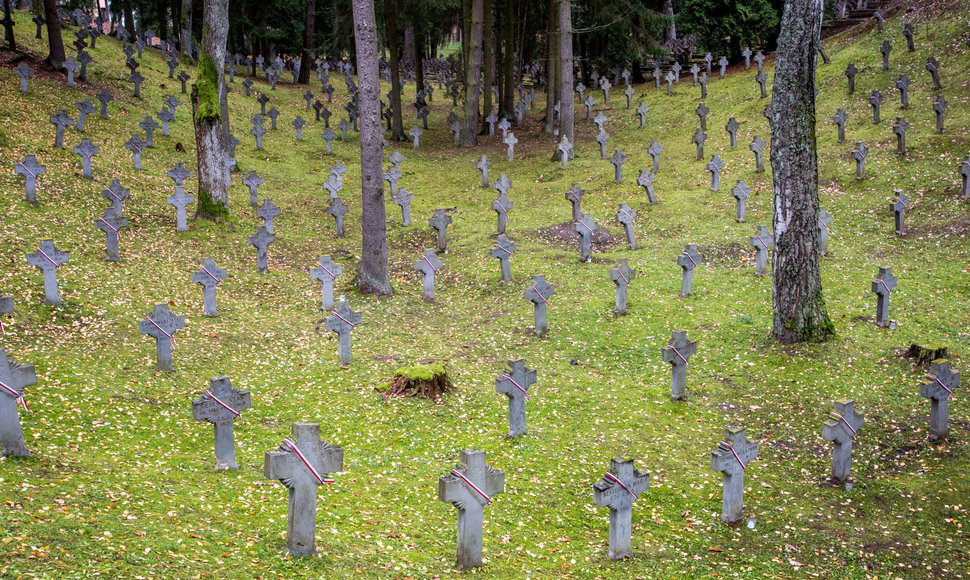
{"x":799,"y":310}
{"x":473,"y":74}
{"x":210,"y":113}
{"x":373,"y":275}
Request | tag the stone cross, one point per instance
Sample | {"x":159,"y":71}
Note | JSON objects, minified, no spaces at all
{"x":898,"y":207}
{"x":620,"y":487}
{"x":740,"y":191}
{"x":731,"y":457}
{"x":326,"y":273}
{"x":589,"y":103}
{"x":839,"y":119}
{"x":714,"y":166}
{"x":343,"y":125}
{"x":602,"y":138}
{"x":268,"y":212}
{"x":510,"y":141}
{"x":302,"y":462}
{"x":220,"y":405}
{"x":343,"y":320}
{"x":403,"y":198}
{"x":761,"y":242}
{"x":702,"y":112}
{"x":183,"y":76}
{"x":209,"y":277}
{"x":585,"y":227}
{"x":30,"y":169}
{"x":732,"y":129}
{"x":111,"y":223}
{"x":503,"y":251}
{"x":933,"y":67}
{"x":908,"y":34}
{"x":317,"y":108}
{"x":60,"y":121}
{"x":618,"y":159}
{"x":261,"y":241}
{"x":688,"y":260}
{"x":483,"y":165}
{"x":676,"y":68}
{"x":965,"y":174}
{"x":883,"y":287}
{"x":14,"y":378}
{"x":939,"y":107}
{"x":841,"y":427}
{"x":86,"y":150}
{"x":258,"y":132}
{"x":762,"y":79}
{"x":703,"y":82}
{"x":137,"y":79}
{"x":628,"y":93}
{"x":677,"y":354}
{"x":337,"y":209}
{"x":539,"y":293}
{"x":23,"y":71}
{"x":491,"y":119}
{"x":900,"y":130}
{"x":329,"y":136}
{"x":262,"y":99}
{"x":440,"y":221}
{"x":625,"y":217}
{"x":456,"y":130}
{"x":605,"y":86}
{"x":565,"y":151}
{"x":670,"y":78}
{"x":515,"y":385}
{"x":879,"y":20}
{"x":642,"y":111}
{"x":502,"y":205}
{"x":694,"y":71}
{"x":600,"y":120}
{"x":859,"y":155}
{"x":621,"y":276}
{"x":903,"y":85}
{"x":84,"y":108}
{"x":824,"y":219}
{"x":117,"y":195}
{"x":939,"y":388}
{"x":575,"y":197}
{"x":273,"y":114}
{"x":645,"y":180}
{"x":723,"y":63}
{"x":746,"y":53}
{"x":135,"y":144}
{"x":885,"y":49}
{"x":698,"y":139}
{"x":504,"y":126}
{"x":298,"y":124}
{"x":429,"y":265}
{"x":654,"y":151}
{"x":850,"y":73}
{"x":48,"y":259}
{"x":166,"y":116}
{"x":470,"y":487}
{"x":162,"y":326}
{"x":757,"y":147}
{"x":415,"y":134}
{"x":180,"y":200}
{"x":104,"y":97}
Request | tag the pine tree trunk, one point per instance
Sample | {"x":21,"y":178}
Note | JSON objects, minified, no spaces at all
{"x":488,"y":61}
{"x":56,"y":57}
{"x":419,"y":50}
{"x":8,"y":25}
{"x":799,"y":310}
{"x":552,"y":57}
{"x":473,"y":73}
{"x":391,"y":9}
{"x":209,"y":111}
{"x":185,"y":27}
{"x":129,"y":19}
{"x":373,"y":275}
{"x":508,"y":52}
{"x":308,"y":31}
{"x":161,"y":14}
{"x":566,"y":71}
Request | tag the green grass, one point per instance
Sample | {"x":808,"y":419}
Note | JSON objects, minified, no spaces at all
{"x":121,"y":480}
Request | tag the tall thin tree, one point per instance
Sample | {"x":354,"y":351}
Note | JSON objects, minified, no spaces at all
{"x":391,"y":10}
{"x":473,"y":74}
{"x":55,"y":44}
{"x":186,"y":28}
{"x":799,"y":310}
{"x":566,"y":70}
{"x":308,"y":32}
{"x":552,"y":58}
{"x":372,"y":277}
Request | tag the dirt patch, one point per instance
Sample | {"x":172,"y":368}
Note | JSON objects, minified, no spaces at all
{"x":564,"y":236}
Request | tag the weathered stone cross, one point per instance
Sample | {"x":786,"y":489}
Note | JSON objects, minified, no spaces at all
{"x":501,"y":206}
{"x":654,"y":151}
{"x":840,"y":428}
{"x":714,"y":166}
{"x":86,"y":150}
{"x":688,"y":260}
{"x":939,"y":388}
{"x":539,"y":293}
{"x":30,"y":169}
{"x":515,"y":385}
{"x":761,"y":242}
{"x":621,"y":275}
{"x":575,"y":197}
{"x":618,"y":159}
{"x":326,"y":273}
{"x":483,"y":165}
{"x":209,"y":277}
{"x":698,"y":139}
{"x":135,"y":144}
{"x":343,"y":320}
{"x":14,"y":377}
{"x":470,"y":487}
{"x":625,"y":216}
{"x":740,"y":191}
{"x":261,"y":241}
{"x":859,"y":155}
{"x":337,"y":209}
{"x":898,"y":207}
{"x":111,"y":223}
{"x":221,"y":405}
{"x":440,"y":221}
{"x":268,"y":212}
{"x":48,"y":259}
{"x":732,"y":129}
{"x":620,"y":487}
{"x":585,"y":228}
{"x":429,"y":265}
{"x":757,"y":147}
{"x":883,"y":287}
{"x":677,"y":353}
{"x":731,"y":457}
{"x":162,"y":326}
{"x":824,"y":219}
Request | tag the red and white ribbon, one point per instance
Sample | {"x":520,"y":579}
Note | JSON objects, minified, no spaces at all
{"x":162,"y":330}
{"x":56,"y":265}
{"x":689,"y":258}
{"x":462,"y":477}
{"x":823,"y":224}
{"x":585,"y":226}
{"x":939,"y":382}
{"x":435,"y":270}
{"x":504,"y":210}
{"x":627,"y":214}
{"x":16,"y":395}
{"x":501,"y":247}
{"x":121,"y":200}
{"x":883,"y":282}
{"x":303,"y":458}
{"x":677,"y":352}
{"x":2,"y":329}
{"x":735,"y":454}
{"x":113,"y":229}
{"x":517,"y":385}
{"x":352,"y":325}
{"x":620,"y":273}
{"x":841,"y":418}
{"x":218,"y":281}
{"x":27,"y":170}
{"x":223,"y":405}
{"x":616,"y":479}
{"x":760,"y":239}
{"x":539,"y":294}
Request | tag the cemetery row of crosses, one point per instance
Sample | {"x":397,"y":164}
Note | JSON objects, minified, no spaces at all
{"x":305,"y":459}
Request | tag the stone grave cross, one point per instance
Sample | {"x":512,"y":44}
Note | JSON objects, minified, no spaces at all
{"x":731,"y":457}
{"x":30,"y":169}
{"x":209,"y":277}
{"x":220,"y":405}
{"x":939,"y":388}
{"x":23,"y":71}
{"x":900,"y":130}
{"x":510,"y":141}
{"x":965,"y":174}
{"x":621,"y":275}
{"x":714,"y":166}
{"x":740,"y":191}
{"x":60,"y":121}
{"x":602,"y":139}
{"x":483,"y":165}
{"x":898,"y":207}
{"x":503,"y":251}
{"x":885,"y":49}
{"x":757,"y":147}
{"x":625,"y":216}
{"x":824,"y":219}
{"x":84,"y":108}
{"x":470,"y":487}
{"x":268,"y":211}
{"x":642,"y":111}
{"x":337,"y":209}
{"x":875,"y":100}
{"x":298,"y":124}
{"x":111,"y":223}
{"x":939,"y":107}
{"x":688,"y":260}
{"x":180,"y":199}
{"x":515,"y":385}
{"x":839,"y":119}
{"x":502,"y":205}
{"x":149,"y":125}
{"x":859,"y":155}
{"x":253,"y":181}
{"x":585,"y":228}
{"x":539,"y":293}
{"x":429,"y":265}
{"x":575,"y":197}
{"x":403,"y":198}
{"x":326,"y":273}
{"x":161,"y":324}
{"x":618,"y":159}
{"x":166,"y":116}
{"x":261,"y":241}
{"x":645,"y":180}
{"x":302,"y":462}
{"x":342,"y":321}
{"x":732,"y":129}
{"x":14,"y":377}
{"x":620,"y":487}
{"x":698,"y":139}
{"x":761,"y":241}
{"x":48,"y":259}
{"x":654,"y":151}
{"x":702,"y":112}
{"x":850,"y":73}
{"x":677,"y":353}
{"x":883,"y":287}
{"x":841,"y":427}
{"x":86,"y":150}
{"x":135,"y":144}
{"x":440,"y":221}
{"x":903,"y":85}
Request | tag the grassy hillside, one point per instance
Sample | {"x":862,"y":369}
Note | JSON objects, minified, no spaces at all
{"x":121,"y":480}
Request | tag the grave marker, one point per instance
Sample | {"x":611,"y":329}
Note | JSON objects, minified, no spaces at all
{"x":403,"y":198}
{"x":483,"y":165}
{"x":908,"y":34}
{"x":510,"y":141}
{"x":502,"y":205}
{"x":900,"y":130}
{"x":48,"y":259}
{"x":30,"y":169}
{"x":688,"y":260}
{"x":757,"y":147}
{"x":105,"y":97}
{"x":859,"y":155}
{"x":86,"y":150}
{"x":14,"y":378}
{"x":429,"y":265}
{"x":933,"y":67}
{"x":539,"y":293}
{"x":253,"y":181}
{"x":839,"y":119}
{"x":824,"y":219}
{"x":180,"y":200}
{"x":642,"y":111}
{"x":503,"y":251}
{"x":850,"y":73}
{"x":731,"y":457}
{"x":654,"y":151}
{"x":761,"y":242}
{"x":161,"y":324}
{"x":261,"y":241}
{"x":111,"y":223}
{"x":740,"y":191}
{"x":440,"y":221}
{"x":585,"y":228}
{"x":298,"y":124}
{"x":618,"y":159}
{"x":714,"y":166}
{"x":268,"y":212}
{"x":326,"y":273}
{"x":885,"y":49}
{"x":898,"y":207}
{"x":625,"y":217}
{"x":841,"y":428}
{"x":645,"y":180}
{"x":621,"y":275}
{"x":702,"y":112}
{"x":343,"y":320}
{"x":209,"y":277}
{"x":415,"y":134}
{"x":903,"y":85}
{"x":941,"y":382}
{"x":732,"y":129}
{"x":470,"y":487}
{"x":23,"y":71}
{"x":220,"y":405}
{"x":135,"y":145}
{"x":337,"y":209}
{"x":602,"y":138}
{"x":620,"y":487}
{"x":883,"y":287}
{"x":762,"y":79}
{"x":964,"y":172}
{"x":939,"y":107}
{"x":515,"y":385}
{"x":60,"y":121}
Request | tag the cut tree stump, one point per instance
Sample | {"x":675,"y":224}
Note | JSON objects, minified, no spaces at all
{"x":426,"y":380}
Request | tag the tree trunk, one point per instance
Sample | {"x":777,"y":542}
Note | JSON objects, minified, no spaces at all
{"x":8,"y":25}
{"x":488,"y":60}
{"x":671,"y":32}
{"x":186,"y":25}
{"x":373,"y":275}
{"x":497,"y":52}
{"x":566,"y":72}
{"x":56,"y":57}
{"x":391,"y":9}
{"x":799,"y":310}
{"x":552,"y":56}
{"x":508,"y":52}
{"x":419,"y":45}
{"x":308,"y":30}
{"x":129,"y":20}
{"x":473,"y":73}
{"x":161,"y":14}
{"x":409,"y":48}
{"x":209,"y":110}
